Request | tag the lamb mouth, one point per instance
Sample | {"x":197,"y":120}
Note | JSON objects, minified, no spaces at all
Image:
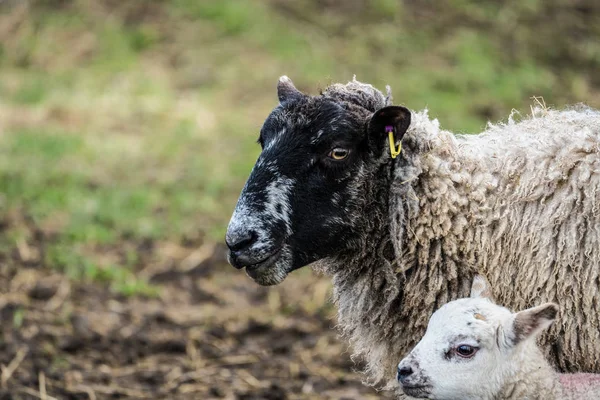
{"x":253,"y":270}
{"x":419,"y":391}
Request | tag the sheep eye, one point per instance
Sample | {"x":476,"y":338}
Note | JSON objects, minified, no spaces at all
{"x":338,"y":153}
{"x":466,"y":351}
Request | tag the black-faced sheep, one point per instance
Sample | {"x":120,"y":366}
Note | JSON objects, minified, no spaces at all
{"x":474,"y":349}
{"x":519,"y":203}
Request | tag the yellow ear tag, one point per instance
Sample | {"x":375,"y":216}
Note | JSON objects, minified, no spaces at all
{"x":390,"y":130}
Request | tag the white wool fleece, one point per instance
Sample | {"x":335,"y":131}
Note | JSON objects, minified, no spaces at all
{"x":518,"y":203}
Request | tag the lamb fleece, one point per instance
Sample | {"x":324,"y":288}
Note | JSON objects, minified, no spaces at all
{"x":518,"y":203}
{"x":541,"y":383}
{"x":544,"y":384}
{"x":579,"y":387}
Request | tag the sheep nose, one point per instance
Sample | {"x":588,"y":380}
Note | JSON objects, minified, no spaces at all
{"x":240,"y":240}
{"x":240,"y":243}
{"x":404,"y":372}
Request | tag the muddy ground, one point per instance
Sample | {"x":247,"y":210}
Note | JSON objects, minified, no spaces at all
{"x":210,"y":334}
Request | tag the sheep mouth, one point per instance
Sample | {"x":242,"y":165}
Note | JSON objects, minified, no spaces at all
{"x":419,"y":391}
{"x":254,"y":271}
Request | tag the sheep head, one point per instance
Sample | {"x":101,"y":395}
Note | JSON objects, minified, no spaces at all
{"x":306,"y":191}
{"x":470,"y":347}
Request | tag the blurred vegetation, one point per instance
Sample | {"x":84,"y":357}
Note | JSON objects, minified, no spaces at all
{"x":128,"y":122}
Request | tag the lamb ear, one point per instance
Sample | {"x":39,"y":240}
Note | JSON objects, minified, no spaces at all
{"x":286,"y":90}
{"x":395,"y":116}
{"x":481,"y":288}
{"x":530,"y":322}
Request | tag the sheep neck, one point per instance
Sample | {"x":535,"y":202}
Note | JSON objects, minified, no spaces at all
{"x":529,"y":376}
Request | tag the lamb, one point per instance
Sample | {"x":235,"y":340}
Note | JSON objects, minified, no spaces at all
{"x":475,"y":349}
{"x":518,"y":203}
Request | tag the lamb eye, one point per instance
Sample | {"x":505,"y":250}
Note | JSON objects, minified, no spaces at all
{"x":466,"y":351}
{"x":338,"y":153}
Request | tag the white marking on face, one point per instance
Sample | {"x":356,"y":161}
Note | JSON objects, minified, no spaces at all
{"x":271,"y":166}
{"x":336,"y":199}
{"x":275,"y":140}
{"x":277,"y":207}
{"x":315,"y":139}
{"x":278,"y":204}
{"x":245,"y":219}
{"x":334,"y":222}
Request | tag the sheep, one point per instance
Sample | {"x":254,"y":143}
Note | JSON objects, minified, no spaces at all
{"x":475,"y":349}
{"x":518,"y":203}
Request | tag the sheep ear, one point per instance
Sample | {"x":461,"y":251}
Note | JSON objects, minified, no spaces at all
{"x":395,"y":116}
{"x":286,"y":91}
{"x":481,"y":288}
{"x":530,"y":322}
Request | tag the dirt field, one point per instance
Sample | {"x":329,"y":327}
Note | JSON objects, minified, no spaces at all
{"x":233,"y":340}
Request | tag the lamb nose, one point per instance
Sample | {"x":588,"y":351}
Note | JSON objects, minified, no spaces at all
{"x":240,"y":240}
{"x":404,"y":372}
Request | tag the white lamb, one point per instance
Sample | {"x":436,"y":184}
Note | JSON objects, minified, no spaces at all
{"x":475,"y":349}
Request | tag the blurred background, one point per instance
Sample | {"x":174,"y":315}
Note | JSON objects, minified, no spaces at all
{"x":127,"y":129}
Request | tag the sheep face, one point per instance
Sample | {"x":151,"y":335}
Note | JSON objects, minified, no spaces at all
{"x":471,"y":347}
{"x":458,"y":352}
{"x":305,"y":192}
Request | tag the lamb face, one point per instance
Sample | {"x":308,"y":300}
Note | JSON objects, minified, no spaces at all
{"x":462,"y":348}
{"x":304,"y":196}
{"x":472,"y":348}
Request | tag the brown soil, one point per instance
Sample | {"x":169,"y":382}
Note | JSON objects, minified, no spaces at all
{"x":211,"y":334}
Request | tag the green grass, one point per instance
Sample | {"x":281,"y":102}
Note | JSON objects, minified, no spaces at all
{"x":18,"y":317}
{"x":55,"y":178}
{"x":135,"y":122}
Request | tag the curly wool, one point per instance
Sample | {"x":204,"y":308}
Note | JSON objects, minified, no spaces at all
{"x":518,"y":203}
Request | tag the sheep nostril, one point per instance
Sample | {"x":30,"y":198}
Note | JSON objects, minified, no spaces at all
{"x":404,"y":372}
{"x":240,"y":240}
